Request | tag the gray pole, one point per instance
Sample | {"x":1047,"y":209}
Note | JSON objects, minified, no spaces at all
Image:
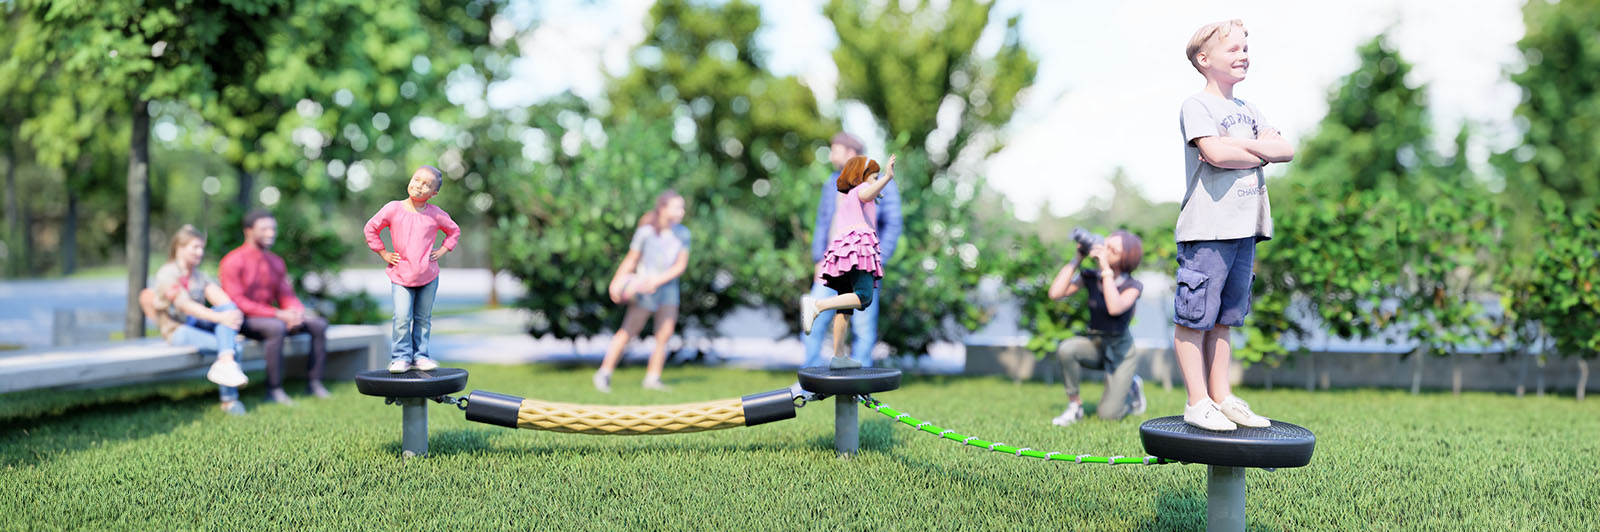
{"x":1224,"y":499}
{"x":414,"y":427}
{"x":846,"y":428}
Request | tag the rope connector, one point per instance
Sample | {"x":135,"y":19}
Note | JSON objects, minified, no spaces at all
{"x":1019,"y":451}
{"x":1113,"y":460}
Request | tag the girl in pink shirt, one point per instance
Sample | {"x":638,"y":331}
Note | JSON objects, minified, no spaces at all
{"x":413,"y":265}
{"x":852,"y":264}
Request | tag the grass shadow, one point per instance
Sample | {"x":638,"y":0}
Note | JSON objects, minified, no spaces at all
{"x":58,"y":431}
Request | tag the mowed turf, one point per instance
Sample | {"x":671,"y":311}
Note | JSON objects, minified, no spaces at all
{"x":1385,"y":460}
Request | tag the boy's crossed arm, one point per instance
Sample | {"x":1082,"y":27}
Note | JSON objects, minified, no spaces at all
{"x":1237,"y":153}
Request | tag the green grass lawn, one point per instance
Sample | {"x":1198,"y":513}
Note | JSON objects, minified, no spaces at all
{"x":1385,"y":460}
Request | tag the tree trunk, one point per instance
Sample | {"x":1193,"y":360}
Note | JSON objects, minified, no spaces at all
{"x":1311,"y":372}
{"x":16,"y":221}
{"x":1522,"y":373}
{"x":1583,"y":377}
{"x":247,"y":185}
{"x":138,"y":248}
{"x":1455,"y":374}
{"x":69,"y":235}
{"x":1538,"y":381}
{"x":494,"y":273}
{"x":1416,"y":372}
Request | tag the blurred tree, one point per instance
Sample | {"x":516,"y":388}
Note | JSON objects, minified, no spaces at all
{"x":699,"y":66}
{"x":907,"y":64}
{"x":1559,"y":115}
{"x":1563,"y":291}
{"x":1337,"y":211}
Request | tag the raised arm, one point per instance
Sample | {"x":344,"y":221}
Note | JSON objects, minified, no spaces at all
{"x":1066,"y":282}
{"x":1117,"y":302}
{"x":874,"y":186}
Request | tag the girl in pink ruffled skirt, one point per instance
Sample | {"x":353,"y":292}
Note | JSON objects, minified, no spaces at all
{"x":851,"y":266}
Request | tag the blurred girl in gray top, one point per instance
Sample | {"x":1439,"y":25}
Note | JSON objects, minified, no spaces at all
{"x":647,"y":281}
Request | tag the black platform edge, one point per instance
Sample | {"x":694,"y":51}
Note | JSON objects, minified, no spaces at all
{"x":849,"y":381}
{"x":1280,"y":445}
{"x":412,"y":383}
{"x":493,"y":408}
{"x":766,"y":407}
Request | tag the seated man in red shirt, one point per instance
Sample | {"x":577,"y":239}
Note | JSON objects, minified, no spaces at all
{"x":256,"y":281}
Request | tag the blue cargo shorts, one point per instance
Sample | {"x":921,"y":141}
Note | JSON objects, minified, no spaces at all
{"x":1214,"y":278}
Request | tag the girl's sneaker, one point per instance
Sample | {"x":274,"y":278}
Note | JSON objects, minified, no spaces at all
{"x":1138,"y":406}
{"x":808,"y":313}
{"x":602,"y":382}
{"x":1206,"y":415}
{"x":655,"y":384}
{"x":423,"y":363}
{"x":1072,"y":414}
{"x":399,"y":365}
{"x":226,"y":372}
{"x":1239,"y":412}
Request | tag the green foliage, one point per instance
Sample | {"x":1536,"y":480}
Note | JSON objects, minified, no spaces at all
{"x":573,"y":224}
{"x":1338,"y":213}
{"x":1561,"y":292}
{"x":907,"y":64}
{"x":699,"y":65}
{"x":334,"y":464}
{"x":1560,"y":110}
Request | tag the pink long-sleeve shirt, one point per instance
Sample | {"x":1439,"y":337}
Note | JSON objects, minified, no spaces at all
{"x":412,"y":234}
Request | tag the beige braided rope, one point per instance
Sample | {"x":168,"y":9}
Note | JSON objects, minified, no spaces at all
{"x":630,"y":420}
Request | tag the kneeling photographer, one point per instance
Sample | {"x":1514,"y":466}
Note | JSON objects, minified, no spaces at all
{"x":1112,"y":293}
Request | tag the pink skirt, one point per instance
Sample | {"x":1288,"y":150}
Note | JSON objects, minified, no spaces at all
{"x":854,"y":250}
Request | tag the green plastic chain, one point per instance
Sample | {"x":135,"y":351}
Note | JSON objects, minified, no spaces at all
{"x":974,"y":441}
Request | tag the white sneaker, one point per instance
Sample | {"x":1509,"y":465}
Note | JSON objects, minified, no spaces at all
{"x":1206,"y":415}
{"x":655,"y":384}
{"x":838,"y":362}
{"x":399,"y":366}
{"x":423,"y":363}
{"x":1239,"y":412}
{"x":1138,"y":406}
{"x":808,"y":313}
{"x":602,"y":382}
{"x":1072,"y":414}
{"x":226,"y":372}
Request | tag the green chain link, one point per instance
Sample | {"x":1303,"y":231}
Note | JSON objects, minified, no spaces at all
{"x":974,"y":441}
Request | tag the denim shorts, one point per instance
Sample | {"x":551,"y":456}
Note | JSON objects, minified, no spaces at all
{"x":666,"y":296}
{"x":1213,"y":282}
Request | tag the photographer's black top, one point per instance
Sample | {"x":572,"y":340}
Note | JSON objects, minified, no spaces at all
{"x":1099,"y":320}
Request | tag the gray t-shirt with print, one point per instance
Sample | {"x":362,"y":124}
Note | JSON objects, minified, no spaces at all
{"x":658,"y":251}
{"x":1220,"y":203}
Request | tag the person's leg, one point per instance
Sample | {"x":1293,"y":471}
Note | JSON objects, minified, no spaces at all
{"x":1202,"y":272}
{"x":841,"y":334}
{"x":1233,"y":305}
{"x":1072,"y":354}
{"x":632,"y":323}
{"x":206,"y":342}
{"x":1120,"y":369}
{"x":864,"y":323}
{"x":666,"y":320}
{"x":317,"y":327}
{"x":271,"y":332}
{"x":422,"y":319}
{"x":402,"y":346}
{"x":813,"y":341}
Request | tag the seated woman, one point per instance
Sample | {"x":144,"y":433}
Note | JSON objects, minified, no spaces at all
{"x":179,"y":304}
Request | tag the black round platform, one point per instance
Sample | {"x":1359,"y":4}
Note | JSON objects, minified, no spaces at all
{"x":849,"y":381}
{"x":411,"y":383}
{"x":1280,"y":445}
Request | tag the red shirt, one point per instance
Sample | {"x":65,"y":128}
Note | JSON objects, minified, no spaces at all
{"x":255,"y":279}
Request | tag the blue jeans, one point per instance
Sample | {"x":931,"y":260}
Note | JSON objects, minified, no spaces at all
{"x":863,"y":325}
{"x":413,"y":320}
{"x":211,"y":338}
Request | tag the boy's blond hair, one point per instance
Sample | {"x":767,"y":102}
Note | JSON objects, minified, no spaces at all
{"x":1208,"y":33}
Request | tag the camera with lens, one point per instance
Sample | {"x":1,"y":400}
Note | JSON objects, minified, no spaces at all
{"x":1086,"y":239}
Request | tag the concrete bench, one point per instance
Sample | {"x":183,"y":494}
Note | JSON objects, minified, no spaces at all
{"x":351,"y":348}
